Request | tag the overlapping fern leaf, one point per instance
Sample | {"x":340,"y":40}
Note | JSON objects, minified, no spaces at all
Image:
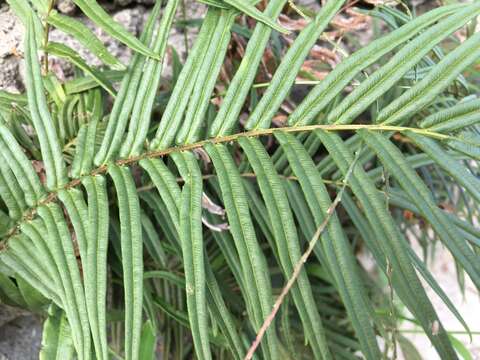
{"x":186,"y":225}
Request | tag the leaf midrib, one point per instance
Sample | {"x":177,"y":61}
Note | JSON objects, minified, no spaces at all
{"x":30,"y":213}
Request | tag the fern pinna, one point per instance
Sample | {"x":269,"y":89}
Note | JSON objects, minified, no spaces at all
{"x":177,"y":220}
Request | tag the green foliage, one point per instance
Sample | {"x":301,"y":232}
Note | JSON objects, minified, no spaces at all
{"x":85,"y":36}
{"x":163,"y":217}
{"x":57,"y":338}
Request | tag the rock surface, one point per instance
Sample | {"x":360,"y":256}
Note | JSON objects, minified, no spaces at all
{"x":20,"y":339}
{"x":66,"y":7}
{"x":20,"y":334}
{"x":132,"y":18}
{"x":11,"y":37}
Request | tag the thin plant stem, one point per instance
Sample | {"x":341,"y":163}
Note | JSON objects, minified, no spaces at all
{"x":148,"y":187}
{"x":299,"y":265}
{"x":452,"y":332}
{"x":297,"y":10}
{"x":102,"y":169}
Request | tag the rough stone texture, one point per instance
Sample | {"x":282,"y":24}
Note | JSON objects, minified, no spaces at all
{"x":130,"y":2}
{"x":20,"y":334}
{"x":132,"y":18}
{"x":66,"y":7}
{"x":11,"y":37}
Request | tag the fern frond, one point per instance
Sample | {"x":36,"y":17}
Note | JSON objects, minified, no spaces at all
{"x":195,"y":231}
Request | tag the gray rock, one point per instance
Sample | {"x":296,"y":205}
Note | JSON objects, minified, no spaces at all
{"x":10,"y":78}
{"x":9,"y":313}
{"x":123,"y":2}
{"x":133,"y":19}
{"x":66,"y":7}
{"x":129,"y":2}
{"x":20,"y":334}
{"x":11,"y":48}
{"x":12,"y":37}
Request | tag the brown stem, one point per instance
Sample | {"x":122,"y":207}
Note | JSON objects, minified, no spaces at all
{"x":299,"y":265}
{"x":30,"y":213}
